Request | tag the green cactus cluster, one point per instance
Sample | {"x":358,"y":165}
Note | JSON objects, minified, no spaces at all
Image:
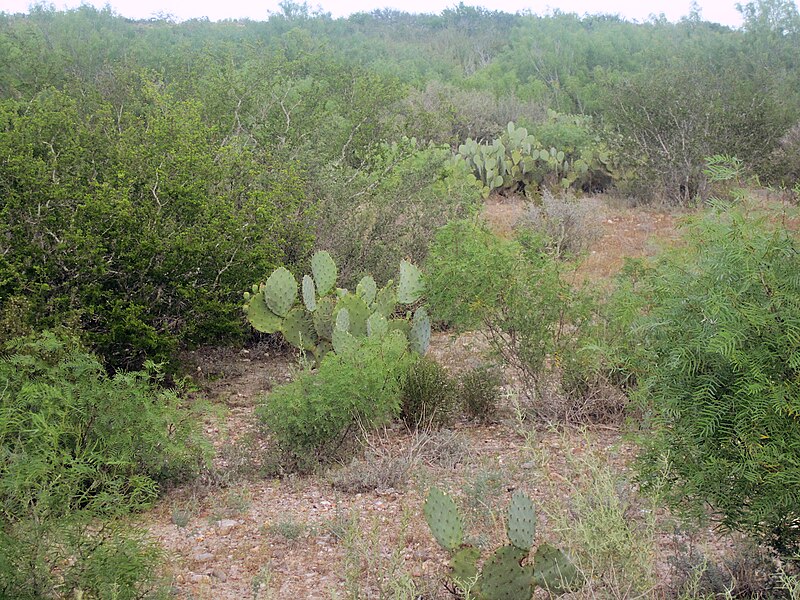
{"x":506,"y":574}
{"x":517,"y":161}
{"x":322,"y":317}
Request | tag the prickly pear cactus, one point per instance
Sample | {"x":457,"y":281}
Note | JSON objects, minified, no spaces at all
{"x":377,"y":325}
{"x":553,"y":571}
{"x":343,"y":341}
{"x":506,"y":573}
{"x":309,"y":294}
{"x":358,"y":313}
{"x":311,"y":323}
{"x":419,"y":336}
{"x":442,"y":517}
{"x":298,"y":329}
{"x":385,"y":300}
{"x":324,"y":270}
{"x":521,"y":524}
{"x":280,"y":291}
{"x":323,"y":317}
{"x":259,"y":314}
{"x":504,"y":577}
{"x":409,"y":287}
{"x":464,"y":567}
{"x":367,"y":289}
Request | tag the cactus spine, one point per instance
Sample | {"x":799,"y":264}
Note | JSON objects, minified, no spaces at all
{"x":506,"y":574}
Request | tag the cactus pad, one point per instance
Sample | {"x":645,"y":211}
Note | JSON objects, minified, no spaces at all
{"x":521,"y":524}
{"x":298,"y":329}
{"x":309,"y":294}
{"x":324,"y":270}
{"x":321,"y":350}
{"x":343,"y":341}
{"x":377,"y":325}
{"x":443,"y":519}
{"x":260,"y":316}
{"x":419,"y":336}
{"x":358,"y":312}
{"x":409,"y":287}
{"x":464,"y":567}
{"x":367,"y":289}
{"x":280,"y":291}
{"x":400,"y":325}
{"x":342,"y":320}
{"x":323,"y":317}
{"x":385,"y":300}
{"x":554,"y":571}
{"x":504,"y":577}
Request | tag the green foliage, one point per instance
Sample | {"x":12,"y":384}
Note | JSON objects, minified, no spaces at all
{"x":785,"y":164}
{"x":716,"y":346}
{"x":135,"y":219}
{"x":75,"y":438}
{"x":519,"y":162}
{"x":679,"y":110}
{"x":479,"y":391}
{"x":313,"y":416}
{"x":428,"y":396}
{"x":81,"y":449}
{"x":390,"y":207}
{"x":513,"y":291}
{"x":76,"y":557}
{"x":337,"y":318}
{"x":505,"y":573}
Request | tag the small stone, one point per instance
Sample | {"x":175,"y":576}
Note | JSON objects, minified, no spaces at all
{"x":203,"y":557}
{"x":220,"y":574}
{"x":528,"y":465}
{"x":196,"y":578}
{"x":225,"y":525}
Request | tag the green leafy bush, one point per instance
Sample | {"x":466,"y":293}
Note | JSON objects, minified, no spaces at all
{"x":513,"y":292}
{"x":717,"y":344}
{"x":428,"y":396}
{"x":80,"y":450}
{"x":316,"y":414}
{"x":479,"y":390}
{"x":391,"y":207}
{"x":77,"y":557}
{"x":137,"y":225}
{"x":74,"y":438}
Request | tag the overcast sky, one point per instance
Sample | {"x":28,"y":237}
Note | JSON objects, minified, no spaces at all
{"x":721,"y":11}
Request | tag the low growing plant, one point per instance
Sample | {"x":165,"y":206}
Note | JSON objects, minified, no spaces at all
{"x":478,"y":391}
{"x":312,"y":417}
{"x":74,"y":438}
{"x":507,"y":573}
{"x":80,"y":450}
{"x":428,"y":395}
{"x":323,"y":318}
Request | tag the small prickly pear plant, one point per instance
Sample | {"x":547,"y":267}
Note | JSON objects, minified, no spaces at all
{"x":506,"y":574}
{"x":322,"y":317}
